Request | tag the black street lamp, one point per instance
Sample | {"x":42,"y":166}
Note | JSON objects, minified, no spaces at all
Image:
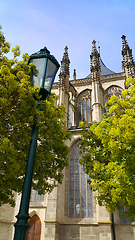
{"x":47,"y":67}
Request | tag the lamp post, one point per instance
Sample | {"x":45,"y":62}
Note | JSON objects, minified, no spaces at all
{"x":47,"y":67}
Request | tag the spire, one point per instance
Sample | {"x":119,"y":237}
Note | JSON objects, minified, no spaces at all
{"x":74,"y":74}
{"x":97,"y":90}
{"x":95,"y":62}
{"x":98,"y":48}
{"x":128,"y":61}
{"x":64,"y":71}
{"x":65,"y":63}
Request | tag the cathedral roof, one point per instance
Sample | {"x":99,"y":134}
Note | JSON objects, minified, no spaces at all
{"x":104,"y":69}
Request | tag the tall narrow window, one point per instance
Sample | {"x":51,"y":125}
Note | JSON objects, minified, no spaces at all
{"x":80,"y":194}
{"x":84,"y":107}
{"x":35,"y":197}
{"x":69,"y":118}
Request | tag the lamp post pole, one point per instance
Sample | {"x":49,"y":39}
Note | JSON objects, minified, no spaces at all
{"x":47,"y":67}
{"x":22,"y":225}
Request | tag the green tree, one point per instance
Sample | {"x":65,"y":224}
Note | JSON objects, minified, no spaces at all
{"x":18,"y":111}
{"x":110,"y":153}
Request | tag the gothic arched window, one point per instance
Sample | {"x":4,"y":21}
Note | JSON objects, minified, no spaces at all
{"x":80,"y":194}
{"x":85,"y":107}
{"x":113,"y":90}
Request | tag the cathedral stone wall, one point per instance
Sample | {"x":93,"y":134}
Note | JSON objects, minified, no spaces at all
{"x":7,"y":220}
{"x":6,"y":230}
{"x":83,"y":232}
{"x":124,"y":232}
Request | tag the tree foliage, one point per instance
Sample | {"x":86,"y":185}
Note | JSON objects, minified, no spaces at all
{"x":18,"y":111}
{"x":110,"y":153}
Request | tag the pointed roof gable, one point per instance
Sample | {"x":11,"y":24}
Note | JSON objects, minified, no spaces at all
{"x":104,"y":70}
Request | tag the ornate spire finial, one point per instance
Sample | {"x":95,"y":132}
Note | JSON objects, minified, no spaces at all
{"x":66,"y":48}
{"x":94,"y":56}
{"x":95,"y":64}
{"x":93,"y":45}
{"x":74,"y":74}
{"x":123,"y":37}
{"x":128,"y":61}
{"x":98,"y":47}
{"x":124,"y":43}
{"x":64,"y":71}
{"x":65,"y":62}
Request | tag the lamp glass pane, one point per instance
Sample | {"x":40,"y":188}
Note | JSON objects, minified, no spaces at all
{"x":50,"y":72}
{"x":40,"y":64}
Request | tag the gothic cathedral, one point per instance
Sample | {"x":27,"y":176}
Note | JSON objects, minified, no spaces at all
{"x":70,"y":211}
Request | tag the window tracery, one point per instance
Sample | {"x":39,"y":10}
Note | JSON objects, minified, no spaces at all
{"x":80,"y":194}
{"x":113,"y":90}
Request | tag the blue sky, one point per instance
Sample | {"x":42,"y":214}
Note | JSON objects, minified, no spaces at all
{"x":33,"y":24}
